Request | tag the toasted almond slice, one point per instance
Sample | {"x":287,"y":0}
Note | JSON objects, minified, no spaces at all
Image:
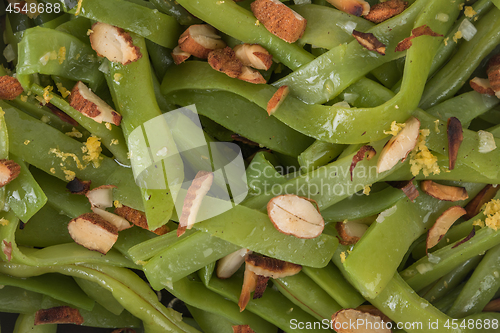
{"x":61,"y":115}
{"x":93,"y":232}
{"x":443,"y":223}
{"x":225,"y":61}
{"x":251,"y":75}
{"x":260,"y":286}
{"x":249,"y":283}
{"x":455,"y":138}
{"x":485,"y":195}
{"x":179,"y":56}
{"x":294,"y":215}
{"x":277,"y":99}
{"x":350,"y":232}
{"x":253,"y":55}
{"x":89,"y":104}
{"x":242,"y":329}
{"x":369,"y":41}
{"x":466,"y":239}
{"x":119,"y":222}
{"x":365,"y":150}
{"x":114,"y":43}
{"x":353,"y":7}
{"x":199,"y":40}
{"x":192,"y":202}
{"x":270,"y":267}
{"x":7,"y":249}
{"x":380,"y":12}
{"x":78,"y":186}
{"x":407,"y":187}
{"x":10,"y":87}
{"x":139,"y":219}
{"x":374,"y":311}
{"x":364,"y":322}
{"x":228,"y":265}
{"x":279,"y":19}
{"x":482,"y":86}
{"x":9,"y":170}
{"x":493,"y":72}
{"x":444,"y":192}
{"x":58,"y":315}
{"x":492,"y":306}
{"x":399,"y":146}
{"x":423,"y":30}
{"x":101,"y":197}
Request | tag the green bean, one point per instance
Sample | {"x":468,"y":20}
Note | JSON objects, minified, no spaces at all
{"x":77,"y":27}
{"x":101,"y":295}
{"x":388,"y":74}
{"x":51,"y":20}
{"x":172,"y":8}
{"x":211,"y":322}
{"x":25,"y":323}
{"x":4,"y":149}
{"x":19,"y":300}
{"x":445,"y":303}
{"x":319,"y":154}
{"x":161,"y":58}
{"x":261,"y":173}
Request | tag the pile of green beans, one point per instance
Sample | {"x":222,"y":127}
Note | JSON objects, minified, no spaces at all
{"x":342,"y":96}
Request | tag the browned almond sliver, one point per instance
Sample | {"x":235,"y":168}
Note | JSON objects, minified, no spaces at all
{"x":407,"y":187}
{"x":9,"y":170}
{"x":260,"y":286}
{"x":294,"y":215}
{"x":353,"y":7}
{"x":10,"y":87}
{"x":369,"y":41}
{"x":492,"y":306}
{"x":444,"y":192}
{"x":466,"y":239}
{"x":199,"y":40}
{"x":486,"y":194}
{"x":455,"y":138}
{"x":89,"y":104}
{"x":225,"y":61}
{"x":78,"y":186}
{"x":279,"y":19}
{"x":253,"y":55}
{"x":119,"y":222}
{"x":101,"y":197}
{"x":277,"y":99}
{"x":179,"y":56}
{"x":58,"y":315}
{"x":93,"y":232}
{"x":367,"y":151}
{"x":114,"y":43}
{"x":249,"y":283}
{"x":443,"y":223}
{"x":242,"y":329}
{"x":139,"y":219}
{"x":61,"y":115}
{"x":270,"y":267}
{"x":482,"y":86}
{"x":385,"y":10}
{"x":192,"y":202}
{"x":251,"y":75}
{"x":423,"y":30}
{"x":493,"y":72}
{"x":228,"y":265}
{"x":399,"y":146}
{"x":7,"y":249}
{"x":365,"y":322}
{"x":350,"y":232}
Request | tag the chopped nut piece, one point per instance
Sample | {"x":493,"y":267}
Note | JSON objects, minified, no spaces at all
{"x":466,"y":239}
{"x":270,"y":267}
{"x":179,"y":56}
{"x":251,"y":75}
{"x":365,"y":150}
{"x":423,"y":30}
{"x":101,"y":197}
{"x":199,"y":40}
{"x":294,"y":215}
{"x":492,"y":306}
{"x":444,"y":192}
{"x":399,"y":146}
{"x":225,"y":61}
{"x":7,"y":249}
{"x":119,"y":222}
{"x":260,"y":286}
{"x":493,"y":72}
{"x":385,"y":10}
{"x":138,"y":218}
{"x":455,"y":138}
{"x":228,"y":265}
{"x":366,"y":322}
{"x":242,"y":329}
{"x":93,"y":232}
{"x":192,"y":202}
{"x":407,"y":187}
{"x":350,"y":232}
{"x":485,"y":195}
{"x":89,"y":104}
{"x":443,"y":223}
{"x":60,"y":114}
{"x":77,"y":186}
{"x":279,"y":19}
{"x":277,"y":99}
{"x":353,"y":7}
{"x":9,"y":170}
{"x":369,"y":41}
{"x":249,"y":283}
{"x":253,"y":55}
{"x":482,"y":86}
{"x":10,"y":87}
{"x":58,"y":315}
{"x":114,"y":43}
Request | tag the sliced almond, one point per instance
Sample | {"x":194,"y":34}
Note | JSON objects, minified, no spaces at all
{"x":492,"y":306}
{"x":101,"y":197}
{"x":369,"y":41}
{"x":455,"y":138}
{"x":482,"y":86}
{"x":251,"y":75}
{"x":253,"y":55}
{"x":423,"y":30}
{"x":294,"y":215}
{"x":485,"y":195}
{"x":382,"y":11}
{"x":277,"y":99}
{"x":225,"y":61}
{"x":444,"y":192}
{"x":374,"y":311}
{"x":365,"y":150}
{"x":93,"y":232}
{"x":279,"y":19}
{"x":493,"y":72}
{"x":270,"y":267}
{"x":10,"y":87}
{"x":192,"y":202}
{"x":407,"y":187}
{"x":399,"y":146}
{"x":350,"y":232}
{"x":89,"y":104}
{"x":139,"y":219}
{"x":58,"y":315}
{"x":9,"y":170}
{"x":199,"y":40}
{"x":179,"y":56}
{"x":356,"y":321}
{"x":466,"y":239}
{"x":7,"y":249}
{"x":114,"y":43}
{"x":260,"y":286}
{"x":353,"y":7}
{"x":242,"y":329}
{"x":228,"y":265}
{"x":61,"y":115}
{"x":78,"y":186}
{"x":443,"y":223}
{"x":249,"y":283}
{"x":119,"y":222}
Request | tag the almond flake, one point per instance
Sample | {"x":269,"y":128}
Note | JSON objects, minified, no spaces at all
{"x":254,"y":55}
{"x":353,"y":7}
{"x":228,"y":265}
{"x":114,"y":43}
{"x":385,"y":10}
{"x":137,"y":217}
{"x":407,"y":187}
{"x":493,"y":72}
{"x":10,"y":87}
{"x":455,"y":138}
{"x":249,"y":283}
{"x":93,"y":232}
{"x":270,"y":267}
{"x":58,"y":315}
{"x":365,"y":322}
{"x":199,"y":39}
{"x":119,"y":222}
{"x":179,"y":56}
{"x":101,"y":197}
{"x":251,"y":75}
{"x":444,"y":192}
{"x":9,"y":170}
{"x":485,"y":195}
{"x":492,"y":306}
{"x":225,"y":61}
{"x":365,"y":150}
{"x":242,"y":329}
{"x":423,"y":30}
{"x":7,"y":249}
{"x":277,"y":99}
{"x":443,"y":223}
{"x":350,"y":232}
{"x":369,"y":41}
